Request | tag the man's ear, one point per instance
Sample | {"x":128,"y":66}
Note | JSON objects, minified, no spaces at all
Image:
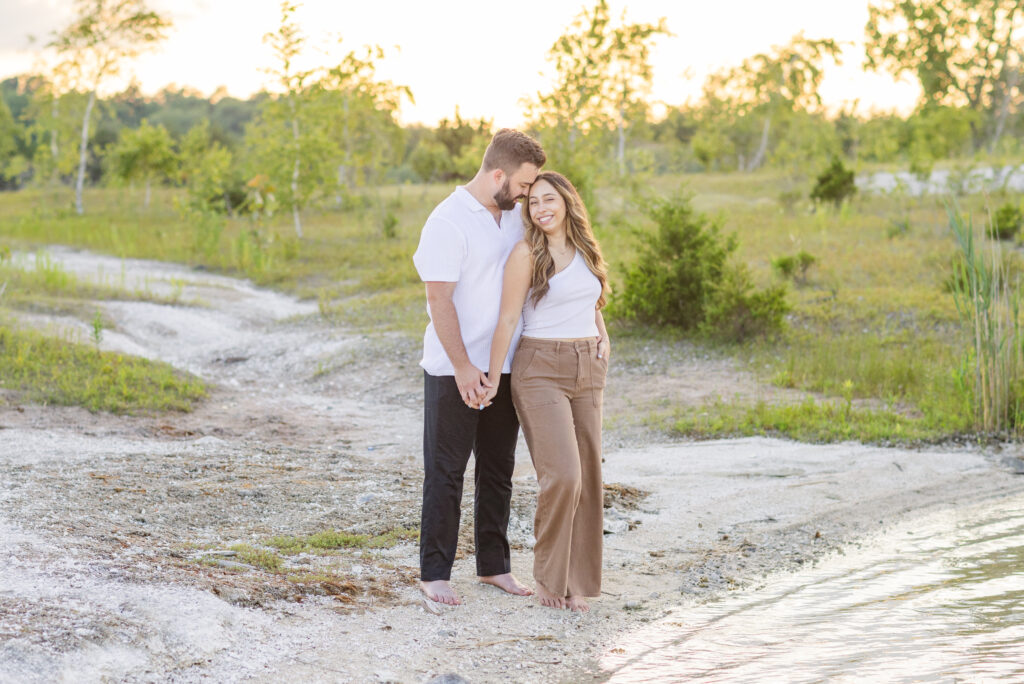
{"x":499,"y":176}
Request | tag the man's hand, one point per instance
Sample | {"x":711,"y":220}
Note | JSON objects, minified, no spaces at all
{"x":472,"y":383}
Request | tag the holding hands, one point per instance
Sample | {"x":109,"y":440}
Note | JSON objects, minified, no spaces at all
{"x":473,"y":386}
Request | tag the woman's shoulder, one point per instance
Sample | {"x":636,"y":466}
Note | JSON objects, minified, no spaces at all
{"x":521,"y":251}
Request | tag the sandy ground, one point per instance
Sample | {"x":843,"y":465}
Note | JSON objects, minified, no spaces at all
{"x":115,"y":531}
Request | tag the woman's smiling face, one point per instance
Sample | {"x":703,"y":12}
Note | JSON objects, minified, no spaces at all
{"x":547,"y":208}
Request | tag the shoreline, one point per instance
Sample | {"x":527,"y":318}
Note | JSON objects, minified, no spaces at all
{"x":649,"y":571}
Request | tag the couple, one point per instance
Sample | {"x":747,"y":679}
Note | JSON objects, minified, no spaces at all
{"x":515,"y":334}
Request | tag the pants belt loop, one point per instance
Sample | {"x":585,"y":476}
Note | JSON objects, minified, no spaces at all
{"x":579,"y":365}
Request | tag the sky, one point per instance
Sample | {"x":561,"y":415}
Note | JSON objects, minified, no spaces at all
{"x":481,"y":56}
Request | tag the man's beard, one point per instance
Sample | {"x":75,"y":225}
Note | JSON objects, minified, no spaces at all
{"x":504,"y":199}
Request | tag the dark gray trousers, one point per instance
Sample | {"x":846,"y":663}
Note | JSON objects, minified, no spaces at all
{"x":451,"y":431}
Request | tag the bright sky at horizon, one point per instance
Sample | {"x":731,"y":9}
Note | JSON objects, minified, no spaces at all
{"x":484,"y":58}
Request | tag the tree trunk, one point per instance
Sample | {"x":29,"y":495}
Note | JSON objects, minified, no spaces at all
{"x":295,"y":173}
{"x":762,"y":148}
{"x":54,"y":149}
{"x":80,"y":182}
{"x":343,"y":167}
{"x":621,"y":151}
{"x":1004,"y":107}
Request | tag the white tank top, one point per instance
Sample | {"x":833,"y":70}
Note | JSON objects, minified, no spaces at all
{"x":568,"y":309}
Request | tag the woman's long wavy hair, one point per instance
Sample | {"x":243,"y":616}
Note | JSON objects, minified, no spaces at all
{"x":578,"y":233}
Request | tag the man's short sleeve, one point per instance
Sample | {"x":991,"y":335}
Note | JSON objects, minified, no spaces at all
{"x":441,"y":251}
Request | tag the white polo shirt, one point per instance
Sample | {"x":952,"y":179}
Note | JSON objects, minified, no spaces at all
{"x":461,"y":243}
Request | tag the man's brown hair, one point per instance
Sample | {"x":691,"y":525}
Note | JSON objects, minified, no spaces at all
{"x":511,"y":149}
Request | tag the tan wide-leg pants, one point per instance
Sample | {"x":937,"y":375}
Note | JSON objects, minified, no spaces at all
{"x":557,"y":389}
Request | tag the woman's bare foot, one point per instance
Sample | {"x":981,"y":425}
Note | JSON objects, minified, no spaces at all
{"x":578,"y":604}
{"x":546,"y":598}
{"x":509,"y":583}
{"x":440,"y":591}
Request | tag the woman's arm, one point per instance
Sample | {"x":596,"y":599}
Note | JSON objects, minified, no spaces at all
{"x":604,"y":346}
{"x":515,"y":286}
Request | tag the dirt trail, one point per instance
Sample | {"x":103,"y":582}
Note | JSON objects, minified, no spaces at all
{"x":116,"y":531}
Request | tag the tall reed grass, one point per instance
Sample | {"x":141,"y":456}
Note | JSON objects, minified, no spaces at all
{"x":987,"y":296}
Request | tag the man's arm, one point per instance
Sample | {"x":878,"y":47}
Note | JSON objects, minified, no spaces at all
{"x":471,"y":380}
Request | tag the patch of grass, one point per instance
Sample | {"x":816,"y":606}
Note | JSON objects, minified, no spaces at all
{"x":875,"y":313}
{"x":59,"y":371}
{"x":40,"y":284}
{"x":260,"y":558}
{"x":896,"y":366}
{"x":400,"y":310}
{"x":341,"y":244}
{"x":809,"y":421}
{"x":331,"y":540}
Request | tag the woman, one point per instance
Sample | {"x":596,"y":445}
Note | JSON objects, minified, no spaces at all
{"x":556,"y":280}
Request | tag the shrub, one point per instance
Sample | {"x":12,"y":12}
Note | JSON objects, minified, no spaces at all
{"x":835,"y":184}
{"x":1006,"y":222}
{"x":737,"y":312}
{"x":672,"y":277}
{"x":898,"y":227}
{"x":682,"y":278}
{"x":794,"y":267}
{"x":389,"y":225}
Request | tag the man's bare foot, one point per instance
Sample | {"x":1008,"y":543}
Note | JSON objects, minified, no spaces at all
{"x":546,"y":598}
{"x":440,"y":591}
{"x":578,"y":604}
{"x":509,"y":583}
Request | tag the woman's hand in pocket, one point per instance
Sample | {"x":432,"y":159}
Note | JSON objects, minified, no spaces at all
{"x":604,"y":348}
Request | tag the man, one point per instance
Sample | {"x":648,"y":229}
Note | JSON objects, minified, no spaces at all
{"x":461,"y":259}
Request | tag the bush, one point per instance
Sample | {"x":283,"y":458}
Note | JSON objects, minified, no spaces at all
{"x":682,"y":278}
{"x":794,"y":267}
{"x":737,"y":312}
{"x":1006,"y":222}
{"x":835,"y":184}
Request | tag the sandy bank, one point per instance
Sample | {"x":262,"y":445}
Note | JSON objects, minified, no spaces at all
{"x":115,"y":531}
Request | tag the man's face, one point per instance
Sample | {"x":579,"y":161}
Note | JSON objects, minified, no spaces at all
{"x":516,"y":186}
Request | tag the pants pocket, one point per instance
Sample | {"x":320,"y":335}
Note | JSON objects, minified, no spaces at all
{"x":521,"y":360}
{"x":537,"y":383}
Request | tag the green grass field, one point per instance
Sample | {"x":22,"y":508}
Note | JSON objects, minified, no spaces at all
{"x":872,"y":320}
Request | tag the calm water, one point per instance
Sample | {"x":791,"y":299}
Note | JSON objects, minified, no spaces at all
{"x":939,"y":599}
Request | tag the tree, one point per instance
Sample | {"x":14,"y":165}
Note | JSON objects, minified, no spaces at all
{"x":962,"y":52}
{"x":10,"y":133}
{"x":205,"y":168}
{"x":103,"y":36}
{"x":329,"y":128}
{"x":602,"y":73}
{"x":52,"y":118}
{"x":363,"y":125}
{"x":287,"y":138}
{"x":835,"y":184}
{"x":767,"y":87}
{"x":146,"y":154}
